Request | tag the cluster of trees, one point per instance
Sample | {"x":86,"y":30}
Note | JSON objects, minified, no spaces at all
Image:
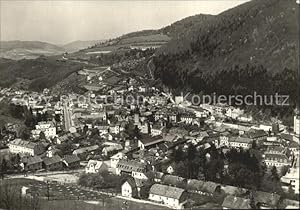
{"x":102,"y":180}
{"x":244,"y":170}
{"x":237,"y":168}
{"x":9,"y":163}
{"x":23,"y":113}
{"x":198,"y":163}
{"x":237,"y":80}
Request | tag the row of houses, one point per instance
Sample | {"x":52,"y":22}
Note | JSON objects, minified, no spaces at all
{"x":174,"y":191}
{"x":35,"y":163}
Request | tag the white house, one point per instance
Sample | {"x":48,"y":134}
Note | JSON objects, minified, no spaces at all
{"x":131,"y":187}
{"x":47,"y":128}
{"x":172,"y":197}
{"x":133,"y":168}
{"x":157,"y":130}
{"x":95,"y":166}
{"x":115,"y":159}
{"x":234,"y":112}
{"x":224,"y":139}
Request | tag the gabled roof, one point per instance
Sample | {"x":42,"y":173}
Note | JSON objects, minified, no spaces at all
{"x":232,"y":190}
{"x":233,"y":202}
{"x":253,"y":133}
{"x":51,"y":160}
{"x":173,"y":180}
{"x":23,"y":143}
{"x":276,"y":157}
{"x":147,"y":141}
{"x":71,"y":158}
{"x":32,"y":160}
{"x":131,"y":165}
{"x":240,"y":139}
{"x":286,"y":136}
{"x":166,"y":191}
{"x":96,"y":164}
{"x":85,"y":149}
{"x":195,"y":185}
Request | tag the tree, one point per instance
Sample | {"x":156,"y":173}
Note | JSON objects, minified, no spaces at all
{"x":85,"y":129}
{"x":178,"y":154}
{"x":4,"y":167}
{"x":274,"y":174}
{"x":254,"y":146}
{"x":42,"y":135}
{"x":181,"y":169}
{"x":23,"y":133}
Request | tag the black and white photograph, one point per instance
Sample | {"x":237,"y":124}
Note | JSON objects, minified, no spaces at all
{"x":149,"y":104}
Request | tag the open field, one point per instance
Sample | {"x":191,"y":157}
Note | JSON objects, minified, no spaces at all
{"x":71,"y":197}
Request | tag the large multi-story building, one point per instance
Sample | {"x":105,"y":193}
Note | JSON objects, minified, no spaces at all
{"x":277,"y":160}
{"x":19,"y":146}
{"x":240,"y":142}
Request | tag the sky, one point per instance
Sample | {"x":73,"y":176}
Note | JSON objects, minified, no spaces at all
{"x":60,"y":21}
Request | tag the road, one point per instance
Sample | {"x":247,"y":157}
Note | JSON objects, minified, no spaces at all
{"x":67,"y":117}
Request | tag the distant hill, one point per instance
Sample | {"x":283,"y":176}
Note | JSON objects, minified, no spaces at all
{"x":145,"y":38}
{"x":27,"y":49}
{"x":35,"y":74}
{"x":78,"y":45}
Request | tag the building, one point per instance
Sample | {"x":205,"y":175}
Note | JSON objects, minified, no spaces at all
{"x":187,"y":118}
{"x":201,"y":187}
{"x":240,"y":142}
{"x":48,"y":128}
{"x":157,"y":129}
{"x":144,"y":128}
{"x":234,"y":112}
{"x":32,"y":163}
{"x":224,"y":139}
{"x":115,"y":159}
{"x":276,"y":149}
{"x":233,"y":202}
{"x":257,"y":135}
{"x":95,"y":166}
{"x":277,"y":160}
{"x":71,"y":161}
{"x":146,"y":142}
{"x":291,"y":179}
{"x":129,"y":189}
{"x":297,"y":124}
{"x":111,"y":149}
{"x":132,"y":187}
{"x":19,"y":146}
{"x":84,"y":150}
{"x":170,"y":196}
{"x":133,"y":168}
{"x":53,"y":163}
{"x":175,"y":181}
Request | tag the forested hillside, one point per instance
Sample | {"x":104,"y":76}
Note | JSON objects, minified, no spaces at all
{"x":253,"y":47}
